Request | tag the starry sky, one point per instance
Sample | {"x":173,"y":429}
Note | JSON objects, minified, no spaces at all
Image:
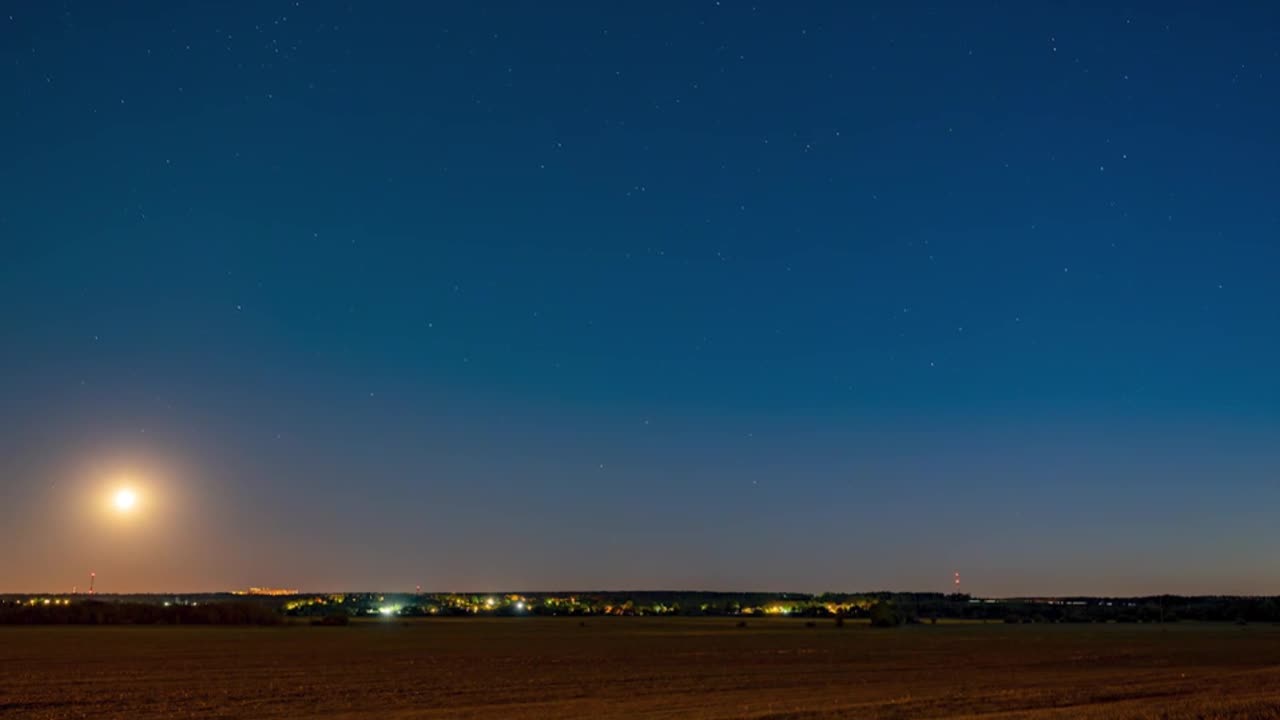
{"x":717,"y":295}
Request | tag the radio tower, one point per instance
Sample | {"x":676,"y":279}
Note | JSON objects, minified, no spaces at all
{"x":93,"y":577}
{"x":957,"y":582}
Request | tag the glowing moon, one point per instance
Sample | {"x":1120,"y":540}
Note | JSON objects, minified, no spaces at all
{"x":125,"y":499}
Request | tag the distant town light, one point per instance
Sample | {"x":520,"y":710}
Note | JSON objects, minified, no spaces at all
{"x":269,"y":591}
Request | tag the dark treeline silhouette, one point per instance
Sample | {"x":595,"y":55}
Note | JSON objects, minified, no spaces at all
{"x":884,"y":609}
{"x":135,"y":613}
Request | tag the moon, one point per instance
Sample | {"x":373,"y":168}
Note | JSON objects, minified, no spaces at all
{"x":125,"y":499}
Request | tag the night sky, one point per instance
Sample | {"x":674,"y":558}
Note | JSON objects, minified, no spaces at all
{"x":717,"y":295}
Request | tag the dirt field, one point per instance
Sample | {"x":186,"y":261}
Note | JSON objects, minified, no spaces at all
{"x":641,"y":668}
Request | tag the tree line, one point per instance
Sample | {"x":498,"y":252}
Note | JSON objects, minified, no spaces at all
{"x":92,"y":612}
{"x":881,"y":608}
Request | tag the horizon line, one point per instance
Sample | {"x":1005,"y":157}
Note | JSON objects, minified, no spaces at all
{"x":299,"y":593}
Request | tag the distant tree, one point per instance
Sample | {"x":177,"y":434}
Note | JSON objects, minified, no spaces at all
{"x":1269,"y":611}
{"x":885,"y":614}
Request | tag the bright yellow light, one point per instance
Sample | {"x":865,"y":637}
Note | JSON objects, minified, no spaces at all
{"x":125,"y":499}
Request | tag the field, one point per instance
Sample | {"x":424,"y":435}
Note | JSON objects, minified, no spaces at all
{"x":641,"y":668}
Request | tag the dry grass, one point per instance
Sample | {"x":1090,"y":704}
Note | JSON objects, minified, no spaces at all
{"x":638,"y":667}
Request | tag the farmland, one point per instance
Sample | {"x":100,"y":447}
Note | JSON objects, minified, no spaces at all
{"x":642,"y":667}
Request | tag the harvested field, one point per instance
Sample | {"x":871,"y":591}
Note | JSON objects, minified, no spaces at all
{"x":641,"y":668}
